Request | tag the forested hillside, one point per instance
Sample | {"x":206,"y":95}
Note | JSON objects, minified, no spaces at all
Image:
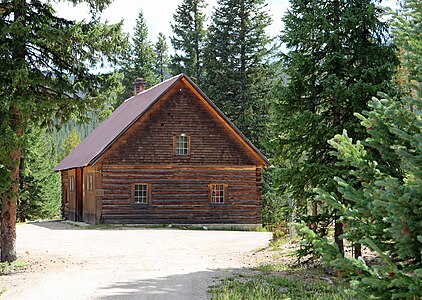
{"x":333,"y":101}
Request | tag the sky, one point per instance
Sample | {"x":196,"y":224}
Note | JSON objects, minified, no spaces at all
{"x":159,"y":14}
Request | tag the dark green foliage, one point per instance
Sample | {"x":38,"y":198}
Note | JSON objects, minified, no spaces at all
{"x":238,"y":75}
{"x":39,"y":186}
{"x":339,"y":57}
{"x":138,"y":60}
{"x":52,"y":70}
{"x":188,"y":39}
{"x":407,"y":28}
{"x":386,"y":215}
{"x":161,"y":65}
{"x":70,"y":143}
{"x":47,"y":76}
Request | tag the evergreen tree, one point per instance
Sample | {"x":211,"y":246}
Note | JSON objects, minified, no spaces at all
{"x":407,"y":27}
{"x":188,"y":39}
{"x":46,"y":65}
{"x":237,"y":71}
{"x":338,"y":58}
{"x":386,"y":215}
{"x":39,"y":186}
{"x":138,"y":60}
{"x":161,"y":66}
{"x":70,"y":143}
{"x":384,"y":186}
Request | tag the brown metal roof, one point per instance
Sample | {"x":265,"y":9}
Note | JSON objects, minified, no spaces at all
{"x":91,"y":149}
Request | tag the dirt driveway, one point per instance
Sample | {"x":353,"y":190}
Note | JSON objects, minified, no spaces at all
{"x":126,"y":263}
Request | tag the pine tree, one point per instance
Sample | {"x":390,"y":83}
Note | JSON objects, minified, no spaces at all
{"x":384,"y":184}
{"x":161,"y":66}
{"x":46,"y":67}
{"x":237,"y":70}
{"x":70,"y":143}
{"x":188,"y":39}
{"x":339,"y":57}
{"x":138,"y":60}
{"x":407,"y":26}
{"x":39,"y":186}
{"x":386,"y":215}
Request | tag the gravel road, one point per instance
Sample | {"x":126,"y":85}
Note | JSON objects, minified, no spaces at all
{"x":69,"y":262}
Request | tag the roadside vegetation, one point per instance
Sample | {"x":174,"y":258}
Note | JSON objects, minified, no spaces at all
{"x":7,"y":268}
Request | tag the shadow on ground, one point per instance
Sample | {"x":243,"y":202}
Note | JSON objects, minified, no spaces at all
{"x":193,"y":285}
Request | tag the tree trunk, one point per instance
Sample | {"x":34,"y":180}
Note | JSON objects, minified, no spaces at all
{"x":314,"y":225}
{"x":358,"y":250}
{"x":338,"y":230}
{"x":10,"y":198}
{"x":8,"y":227}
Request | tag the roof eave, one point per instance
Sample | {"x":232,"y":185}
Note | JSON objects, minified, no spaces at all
{"x":98,"y":156}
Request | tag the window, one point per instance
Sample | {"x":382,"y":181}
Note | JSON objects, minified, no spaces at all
{"x":182,"y":145}
{"x":72,"y":183}
{"x":89,"y":182}
{"x":140,"y":193}
{"x":218,"y":193}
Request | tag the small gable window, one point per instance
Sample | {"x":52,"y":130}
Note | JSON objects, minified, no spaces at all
{"x":218,"y":193}
{"x":182,"y":145}
{"x":141,"y":193}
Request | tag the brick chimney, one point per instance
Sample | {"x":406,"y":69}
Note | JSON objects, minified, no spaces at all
{"x":139,"y":85}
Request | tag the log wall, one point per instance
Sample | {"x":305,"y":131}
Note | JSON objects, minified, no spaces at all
{"x":150,"y":140}
{"x":181,"y":195}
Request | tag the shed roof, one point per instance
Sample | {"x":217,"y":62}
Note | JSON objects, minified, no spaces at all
{"x":91,"y":148}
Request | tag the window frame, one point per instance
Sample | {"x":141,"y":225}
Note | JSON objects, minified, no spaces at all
{"x":175,"y":145}
{"x":89,"y":182}
{"x":71,"y":183}
{"x":148,"y":194}
{"x":212,"y":199}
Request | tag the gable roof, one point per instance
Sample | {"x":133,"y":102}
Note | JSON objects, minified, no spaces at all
{"x":94,"y":146}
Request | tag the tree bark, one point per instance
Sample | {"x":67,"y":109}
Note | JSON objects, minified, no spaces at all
{"x":10,"y":198}
{"x":358,"y":250}
{"x":338,"y":231}
{"x":314,"y":225}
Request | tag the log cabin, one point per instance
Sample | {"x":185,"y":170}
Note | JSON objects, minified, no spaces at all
{"x":167,"y":155}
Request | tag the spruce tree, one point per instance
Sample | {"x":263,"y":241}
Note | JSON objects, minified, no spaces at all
{"x":161,"y":65}
{"x":46,"y":67}
{"x":384,"y":184}
{"x":138,"y":60}
{"x":338,"y":58}
{"x":39,"y":186}
{"x":237,"y":70}
{"x":70,"y":143}
{"x":188,"y":39}
{"x":386,"y":215}
{"x":407,"y":28}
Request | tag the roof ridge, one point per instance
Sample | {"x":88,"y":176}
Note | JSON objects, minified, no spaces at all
{"x":154,"y":86}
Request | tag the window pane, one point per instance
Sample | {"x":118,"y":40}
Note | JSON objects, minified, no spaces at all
{"x":141,"y":194}
{"x":182,"y":145}
{"x":217,"y":193}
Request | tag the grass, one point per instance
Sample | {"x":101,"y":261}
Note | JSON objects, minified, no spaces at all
{"x":6,"y":268}
{"x":260,"y":287}
{"x":281,"y":278}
